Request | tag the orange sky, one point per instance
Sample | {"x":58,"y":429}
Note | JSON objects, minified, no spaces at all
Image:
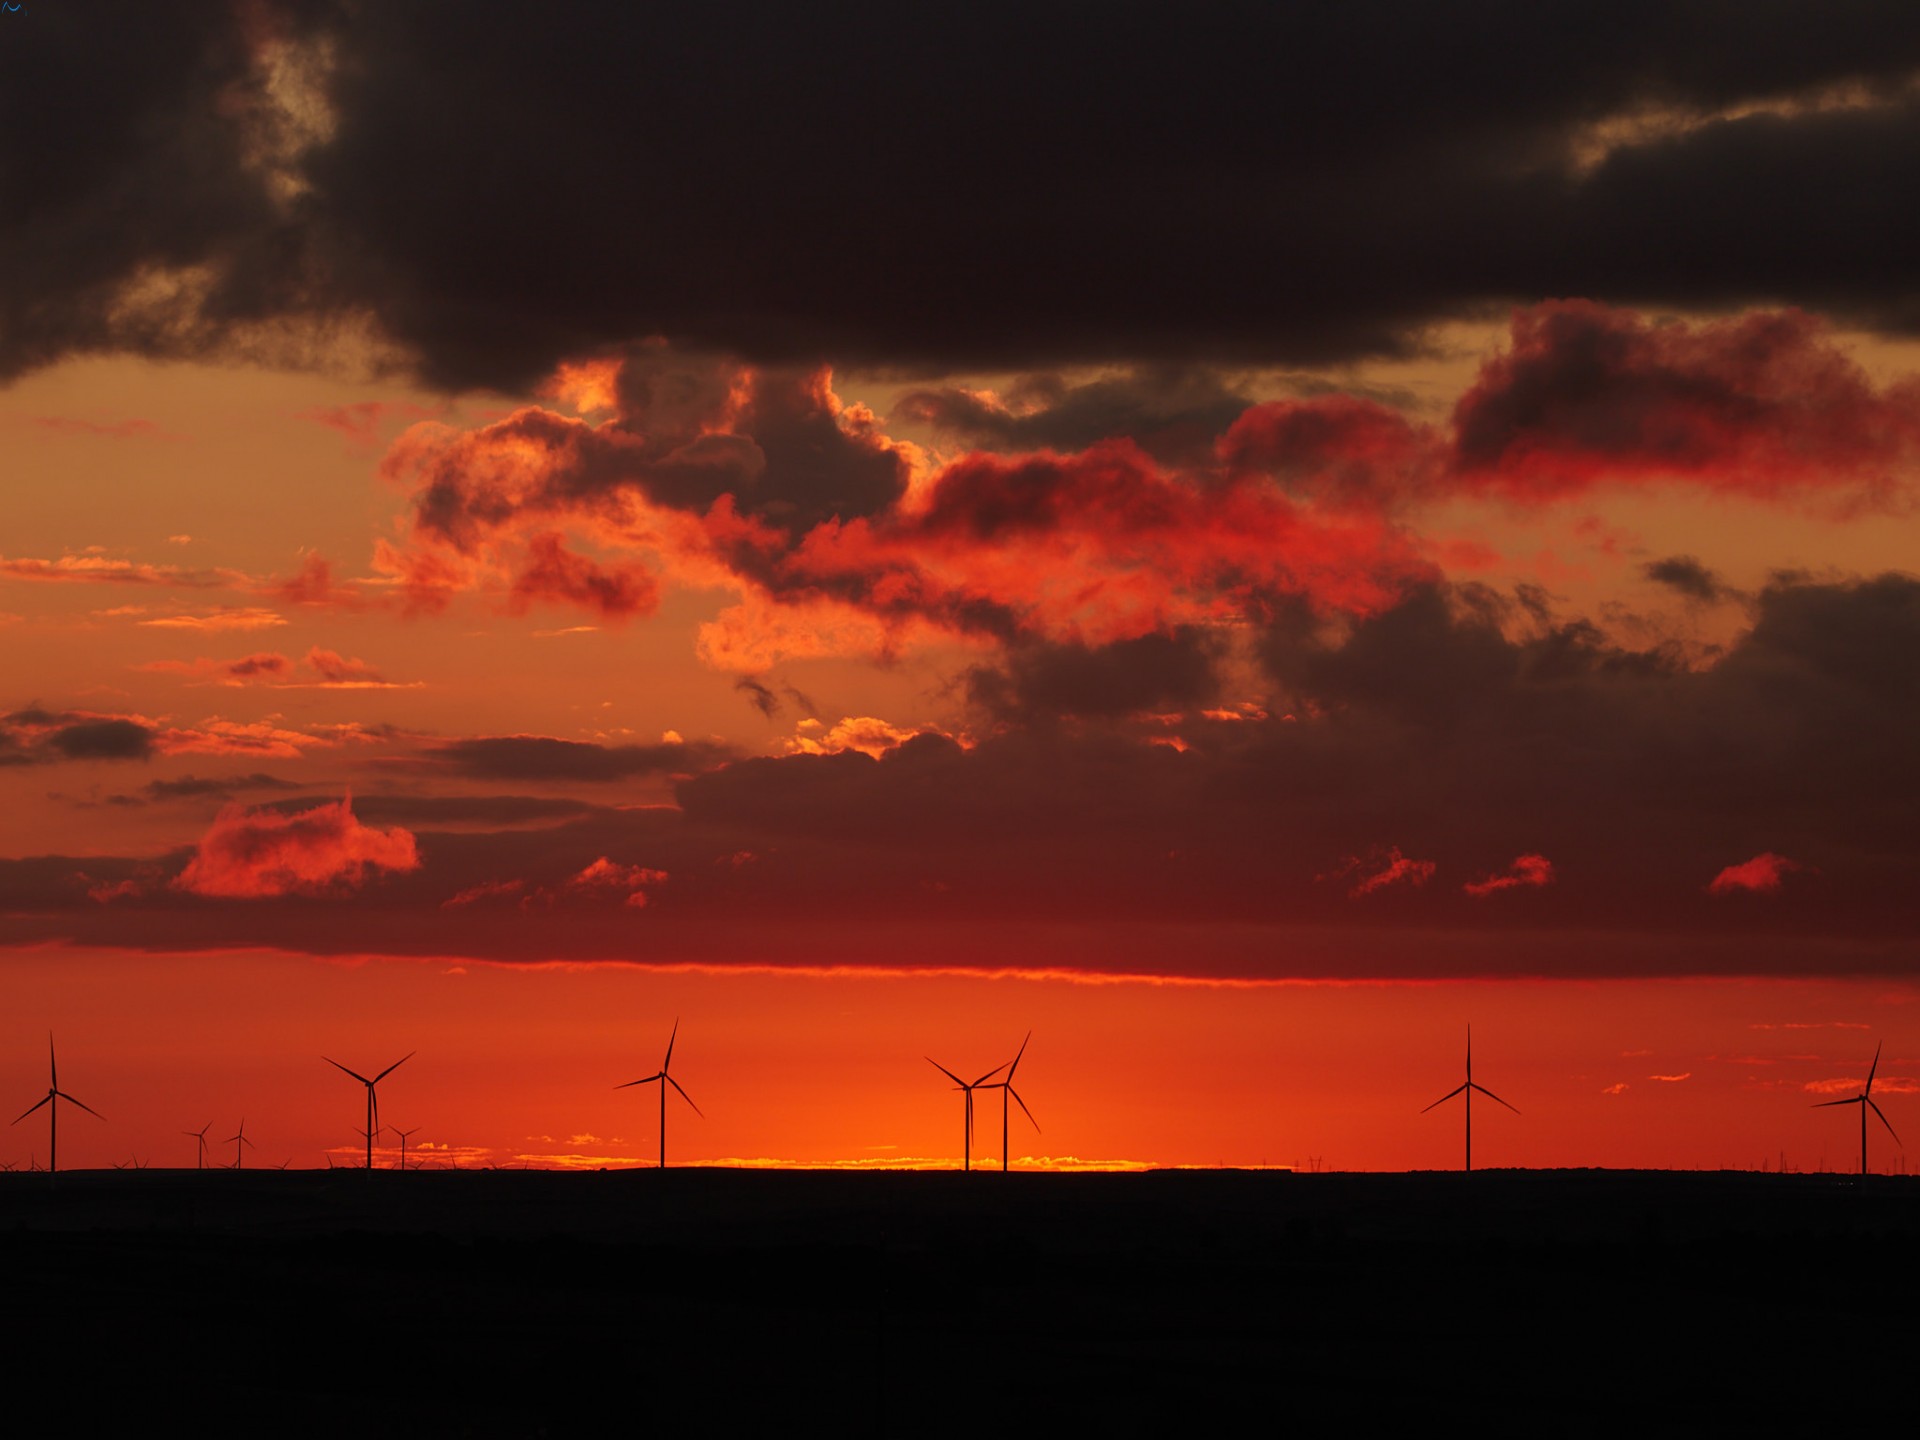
{"x":234,"y":479}
{"x":518,"y":1065}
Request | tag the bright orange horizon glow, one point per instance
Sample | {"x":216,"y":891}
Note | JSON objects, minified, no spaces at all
{"x":518,"y":1066}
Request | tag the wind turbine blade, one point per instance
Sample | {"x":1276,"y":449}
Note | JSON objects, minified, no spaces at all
{"x":355,"y":1073}
{"x":946,"y":1072}
{"x":991,"y":1073}
{"x":1442,"y":1100}
{"x":684,"y":1096}
{"x":1887,"y":1123}
{"x":1868,"y":1089}
{"x":1469,"y":1051}
{"x":82,"y":1104}
{"x":53,"y":1066}
{"x":1491,"y":1096}
{"x":648,"y":1081}
{"x":674,"y":1035}
{"x":24,"y":1113}
{"x":1823,"y":1104}
{"x":1023,"y":1108}
{"x":1016,"y":1058}
{"x":394,"y":1066}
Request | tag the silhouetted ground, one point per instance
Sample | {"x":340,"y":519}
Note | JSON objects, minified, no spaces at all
{"x":1569,"y":1302}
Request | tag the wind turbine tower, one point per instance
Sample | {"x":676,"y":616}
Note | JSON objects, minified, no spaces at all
{"x":1005,"y":1087}
{"x":1467,"y":1089}
{"x":200,"y":1139}
{"x":54,"y":1095}
{"x":1866,"y":1102}
{"x":373,"y":1099}
{"x":966,"y":1151}
{"x":665,"y":1080}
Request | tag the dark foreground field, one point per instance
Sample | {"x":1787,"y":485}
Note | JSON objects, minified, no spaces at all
{"x":530,"y":1303}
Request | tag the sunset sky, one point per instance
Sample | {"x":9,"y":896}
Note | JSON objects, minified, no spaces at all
{"x":1237,"y":539}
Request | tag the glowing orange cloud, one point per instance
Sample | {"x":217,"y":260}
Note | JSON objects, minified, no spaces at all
{"x":251,"y":854}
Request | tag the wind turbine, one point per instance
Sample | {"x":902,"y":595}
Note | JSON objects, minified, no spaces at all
{"x":403,"y":1134}
{"x":1005,"y":1087}
{"x":237,"y":1141}
{"x":200,"y":1136}
{"x":1865,"y":1101}
{"x":373,"y":1100}
{"x":966,"y":1153}
{"x":665,"y":1080}
{"x":55,"y":1093}
{"x":1467,"y":1090}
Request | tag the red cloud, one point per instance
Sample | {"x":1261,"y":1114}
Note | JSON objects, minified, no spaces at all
{"x":1339,"y":449}
{"x":604,"y":877}
{"x":335,"y":669}
{"x":257,"y":853}
{"x":1760,"y":875}
{"x":600,"y":880}
{"x":554,"y":573}
{"x":761,"y":478}
{"x":1394,"y":869}
{"x":1761,"y":405}
{"x":1526,"y":870}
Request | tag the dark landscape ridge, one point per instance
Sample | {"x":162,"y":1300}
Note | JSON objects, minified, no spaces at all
{"x":497,"y":1302}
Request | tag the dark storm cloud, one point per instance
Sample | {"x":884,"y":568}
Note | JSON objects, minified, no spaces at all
{"x":1461,"y":736}
{"x":539,"y":757}
{"x":1686,"y":575}
{"x":990,"y":185}
{"x":759,"y":696}
{"x":1151,"y":672}
{"x":190,"y":787}
{"x":103,"y":740}
{"x":132,"y":128}
{"x":1173,"y":413}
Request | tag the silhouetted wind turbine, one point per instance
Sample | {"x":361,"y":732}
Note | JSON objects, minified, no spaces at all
{"x":1005,"y":1087}
{"x":966,"y":1152}
{"x":403,"y":1134}
{"x":1467,"y":1090}
{"x":1865,"y":1101}
{"x":200,"y":1136}
{"x":55,"y":1093}
{"x":373,"y":1100}
{"x":237,"y":1141}
{"x":665,"y":1080}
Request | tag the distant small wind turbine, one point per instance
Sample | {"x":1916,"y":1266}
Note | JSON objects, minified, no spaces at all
{"x":54,"y":1093}
{"x":200,"y":1136}
{"x":1467,"y":1090}
{"x":373,"y":1099}
{"x":1005,"y":1087}
{"x":238,"y":1141}
{"x":966,"y":1151}
{"x":665,"y":1080}
{"x":1865,"y":1101}
{"x":403,"y":1134}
